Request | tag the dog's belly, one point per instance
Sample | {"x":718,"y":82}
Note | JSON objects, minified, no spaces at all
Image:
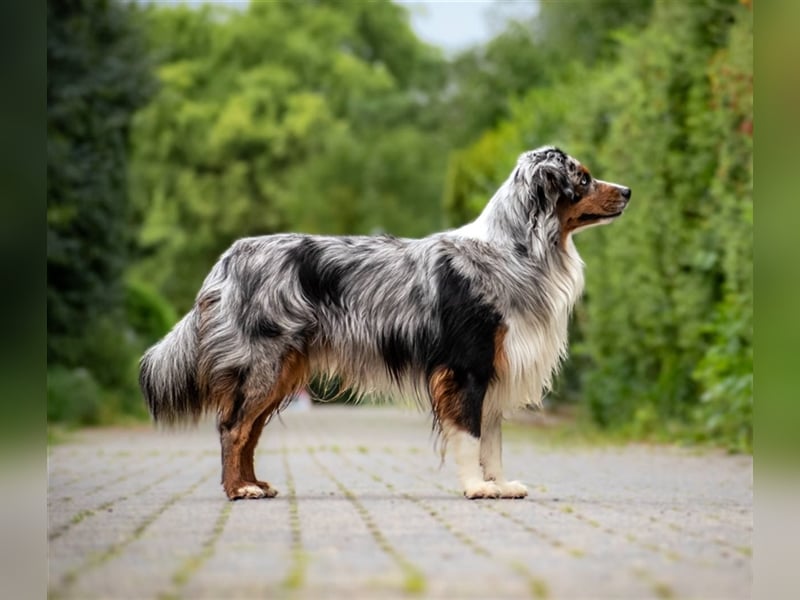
{"x":533,"y":349}
{"x":360,"y":367}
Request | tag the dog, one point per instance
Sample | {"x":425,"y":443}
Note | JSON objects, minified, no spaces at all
{"x":471,"y":322}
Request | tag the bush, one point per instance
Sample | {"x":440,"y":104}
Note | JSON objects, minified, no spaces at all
{"x":663,"y":337}
{"x":100,"y":384}
{"x":73,"y":397}
{"x":147,"y":312}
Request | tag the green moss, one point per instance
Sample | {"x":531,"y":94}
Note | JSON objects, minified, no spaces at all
{"x":662,"y":590}
{"x":414,"y":582}
{"x":539,"y":588}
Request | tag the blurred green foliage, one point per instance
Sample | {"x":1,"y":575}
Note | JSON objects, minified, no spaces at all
{"x":98,"y":76}
{"x":663,"y":340}
{"x":282,"y":116}
{"x":333,"y":117}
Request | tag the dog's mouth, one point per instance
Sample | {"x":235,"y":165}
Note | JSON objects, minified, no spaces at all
{"x":597,"y":217}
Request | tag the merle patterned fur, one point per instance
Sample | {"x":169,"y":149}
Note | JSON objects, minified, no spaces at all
{"x":471,"y":322}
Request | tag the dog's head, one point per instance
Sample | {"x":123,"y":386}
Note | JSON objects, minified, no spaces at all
{"x":560,"y":189}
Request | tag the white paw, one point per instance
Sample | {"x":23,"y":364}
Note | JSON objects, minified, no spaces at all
{"x":250,"y":491}
{"x":512,"y":489}
{"x":477,"y":488}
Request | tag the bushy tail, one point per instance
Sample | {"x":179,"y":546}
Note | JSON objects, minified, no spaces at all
{"x":168,"y":375}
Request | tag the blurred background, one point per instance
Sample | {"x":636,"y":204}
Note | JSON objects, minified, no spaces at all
{"x":176,"y":128}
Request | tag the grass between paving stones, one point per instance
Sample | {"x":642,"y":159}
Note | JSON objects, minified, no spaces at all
{"x":413,"y":579}
{"x":86,"y":513}
{"x":537,"y":586}
{"x":80,"y":516}
{"x":295,"y":578}
{"x":191,"y":565}
{"x":99,"y":558}
{"x":494,"y":507}
{"x":722,"y":543}
{"x":102,"y":471}
{"x":116,"y":480}
{"x":660,"y":588}
{"x":76,"y":478}
{"x":548,"y":539}
{"x":569,"y":510}
{"x":667,"y":553}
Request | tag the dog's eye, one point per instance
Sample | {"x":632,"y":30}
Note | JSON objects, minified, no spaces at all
{"x":585,"y":179}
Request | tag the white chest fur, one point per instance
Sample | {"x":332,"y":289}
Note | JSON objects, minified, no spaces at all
{"x":535,"y":344}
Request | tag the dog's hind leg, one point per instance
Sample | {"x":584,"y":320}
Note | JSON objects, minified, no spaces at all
{"x":248,"y":454}
{"x":492,"y":455}
{"x":457,"y":402}
{"x":232,"y":438}
{"x":262,"y":394}
{"x":235,"y":425}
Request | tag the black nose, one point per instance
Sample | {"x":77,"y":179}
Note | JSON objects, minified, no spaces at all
{"x":626,"y":193}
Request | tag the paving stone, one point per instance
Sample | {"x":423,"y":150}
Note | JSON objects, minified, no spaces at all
{"x":366,"y":511}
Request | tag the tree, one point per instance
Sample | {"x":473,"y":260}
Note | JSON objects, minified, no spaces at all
{"x":587,"y":32}
{"x":98,"y":75}
{"x":664,"y":334}
{"x":487,"y":81}
{"x":287,"y":115}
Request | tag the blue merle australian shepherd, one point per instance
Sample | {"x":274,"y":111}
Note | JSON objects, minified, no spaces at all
{"x":472,"y":322}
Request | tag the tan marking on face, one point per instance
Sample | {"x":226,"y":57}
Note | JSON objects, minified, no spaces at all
{"x":603,"y":199}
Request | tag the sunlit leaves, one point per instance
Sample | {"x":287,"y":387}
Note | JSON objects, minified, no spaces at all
{"x":301,"y":116}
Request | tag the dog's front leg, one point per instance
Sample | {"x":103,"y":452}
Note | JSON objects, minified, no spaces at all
{"x":458,"y":403}
{"x":491,"y":454}
{"x":466,"y":449}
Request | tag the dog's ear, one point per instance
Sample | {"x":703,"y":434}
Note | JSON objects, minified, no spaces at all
{"x":557,"y":184}
{"x":549,"y":185}
{"x":542,"y":173}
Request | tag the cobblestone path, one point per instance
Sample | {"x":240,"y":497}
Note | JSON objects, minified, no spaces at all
{"x":365,"y":511}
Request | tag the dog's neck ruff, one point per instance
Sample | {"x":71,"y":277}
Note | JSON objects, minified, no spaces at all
{"x":501,"y":226}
